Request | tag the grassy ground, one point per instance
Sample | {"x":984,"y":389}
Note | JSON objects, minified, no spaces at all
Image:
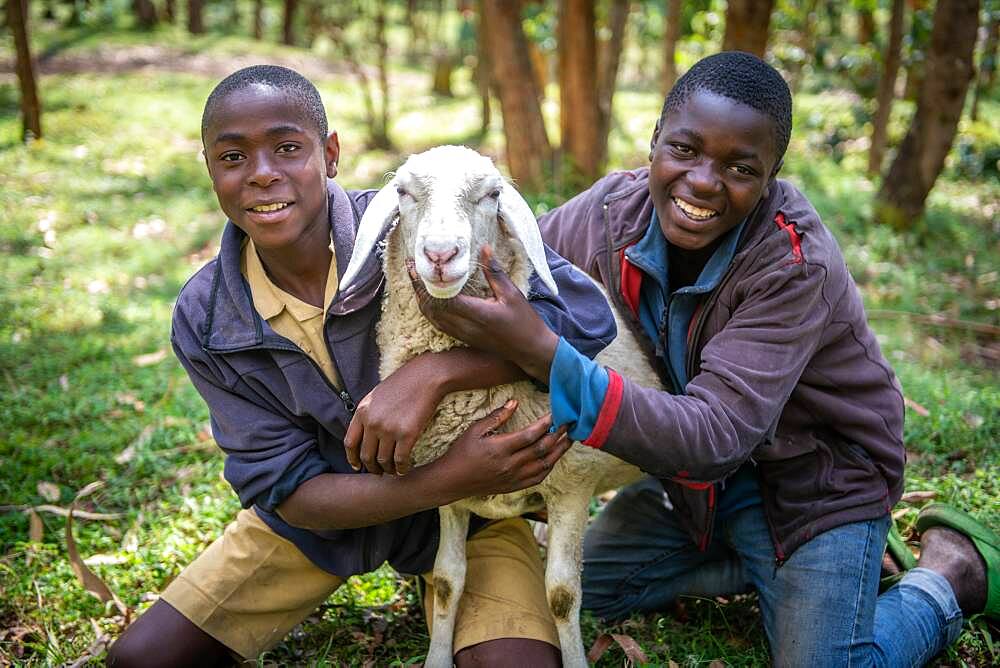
{"x":103,"y":220}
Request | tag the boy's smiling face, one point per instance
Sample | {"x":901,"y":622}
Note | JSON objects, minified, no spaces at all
{"x":712,"y":160}
{"x":269,"y":167}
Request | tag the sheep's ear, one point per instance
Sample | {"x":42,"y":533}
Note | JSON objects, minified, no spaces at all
{"x":521,"y":222}
{"x":380,"y":214}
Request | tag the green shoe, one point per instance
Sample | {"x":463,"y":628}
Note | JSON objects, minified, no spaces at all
{"x":986,"y":541}
{"x":901,"y":555}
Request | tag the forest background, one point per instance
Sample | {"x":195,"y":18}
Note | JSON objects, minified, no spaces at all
{"x":105,"y":210}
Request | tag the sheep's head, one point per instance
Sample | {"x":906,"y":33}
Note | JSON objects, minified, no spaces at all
{"x":449,"y":202}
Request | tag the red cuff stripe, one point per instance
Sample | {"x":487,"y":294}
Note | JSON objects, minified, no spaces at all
{"x":609,"y":411}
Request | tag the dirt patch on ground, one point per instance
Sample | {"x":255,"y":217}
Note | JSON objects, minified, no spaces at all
{"x":155,"y":58}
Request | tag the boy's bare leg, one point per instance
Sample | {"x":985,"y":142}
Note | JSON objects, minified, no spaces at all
{"x":512,"y":652}
{"x":164,"y":637}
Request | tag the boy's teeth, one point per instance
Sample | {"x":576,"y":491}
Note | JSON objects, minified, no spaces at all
{"x":693,"y":211}
{"x":269,"y":207}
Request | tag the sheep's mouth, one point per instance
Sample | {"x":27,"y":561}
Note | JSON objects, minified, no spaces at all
{"x":440,"y":288}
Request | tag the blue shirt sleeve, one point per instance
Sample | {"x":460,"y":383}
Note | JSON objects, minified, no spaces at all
{"x":577,"y":387}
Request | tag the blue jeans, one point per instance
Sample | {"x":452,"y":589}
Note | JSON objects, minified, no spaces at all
{"x":820,"y":608}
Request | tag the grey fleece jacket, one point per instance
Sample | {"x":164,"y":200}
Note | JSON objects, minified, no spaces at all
{"x":783,"y":369}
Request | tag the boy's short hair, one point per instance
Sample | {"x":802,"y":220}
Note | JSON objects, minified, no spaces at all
{"x":744,"y":78}
{"x":295,"y":86}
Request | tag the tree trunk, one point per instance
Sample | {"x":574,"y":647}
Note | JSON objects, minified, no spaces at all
{"x":483,"y":74}
{"x":417,"y":32}
{"x":444,"y":64}
{"x":380,"y":135}
{"x":234,"y":13}
{"x":922,"y":154}
{"x":805,"y":41}
{"x":866,"y":25}
{"x":672,"y":35}
{"x":195,"y":24}
{"x":288,"y":25}
{"x":607,"y":73}
{"x":987,"y":64}
{"x":145,"y":14}
{"x":747,"y":23}
{"x":31,"y":109}
{"x":258,"y":19}
{"x":886,"y":87}
{"x":170,"y":11}
{"x":315,"y":18}
{"x":578,"y":112}
{"x":528,"y":149}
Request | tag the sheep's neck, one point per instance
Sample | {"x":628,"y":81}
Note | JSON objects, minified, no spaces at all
{"x":403,"y":331}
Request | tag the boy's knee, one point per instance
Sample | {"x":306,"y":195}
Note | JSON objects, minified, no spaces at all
{"x":124,"y":653}
{"x":162,"y":636}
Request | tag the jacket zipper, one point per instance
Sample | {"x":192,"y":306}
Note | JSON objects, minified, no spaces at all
{"x":699,"y":324}
{"x":344,"y":395}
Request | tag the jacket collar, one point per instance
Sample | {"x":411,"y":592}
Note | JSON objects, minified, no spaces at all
{"x":234,"y":324}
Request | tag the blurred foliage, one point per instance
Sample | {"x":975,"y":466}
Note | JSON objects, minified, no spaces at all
{"x":103,"y":221}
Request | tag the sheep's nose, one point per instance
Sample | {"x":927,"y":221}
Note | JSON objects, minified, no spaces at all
{"x":439,"y":252}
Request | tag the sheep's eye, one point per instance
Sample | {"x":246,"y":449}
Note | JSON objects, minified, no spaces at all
{"x":401,"y":191}
{"x":495,"y":194}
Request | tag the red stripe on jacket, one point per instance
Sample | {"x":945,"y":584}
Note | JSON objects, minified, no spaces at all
{"x":793,"y":236}
{"x":631,"y":277}
{"x":609,"y":411}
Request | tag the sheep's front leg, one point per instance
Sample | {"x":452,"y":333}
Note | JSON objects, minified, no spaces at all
{"x":567,"y":522}
{"x":449,"y":581}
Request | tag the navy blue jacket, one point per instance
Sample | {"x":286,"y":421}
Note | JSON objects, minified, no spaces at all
{"x":281,"y":422}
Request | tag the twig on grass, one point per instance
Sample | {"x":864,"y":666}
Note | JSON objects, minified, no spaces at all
{"x":938,"y":321}
{"x":62,"y":512}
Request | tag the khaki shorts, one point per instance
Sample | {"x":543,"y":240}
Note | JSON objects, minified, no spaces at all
{"x":251,"y":587}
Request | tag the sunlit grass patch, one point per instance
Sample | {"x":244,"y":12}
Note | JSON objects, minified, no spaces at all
{"x":103,"y":220}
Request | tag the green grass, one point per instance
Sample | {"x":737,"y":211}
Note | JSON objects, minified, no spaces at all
{"x":103,"y":220}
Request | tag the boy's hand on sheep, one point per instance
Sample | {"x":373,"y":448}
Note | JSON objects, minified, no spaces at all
{"x":388,"y":421}
{"x":482,"y":462}
{"x":504,"y":324}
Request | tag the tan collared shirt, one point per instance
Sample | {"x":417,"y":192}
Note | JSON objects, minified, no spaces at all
{"x":289,"y":316}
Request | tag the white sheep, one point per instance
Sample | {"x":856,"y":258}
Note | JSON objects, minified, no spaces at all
{"x":449,"y":201}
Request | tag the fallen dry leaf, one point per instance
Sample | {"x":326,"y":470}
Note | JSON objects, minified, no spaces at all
{"x":129,"y":399}
{"x":49,"y":491}
{"x":716,"y":664}
{"x":126,"y":455}
{"x":633,"y":652}
{"x":205,"y":433}
{"x":105,"y":560}
{"x":919,"y":497}
{"x":917,"y":408}
{"x":631,"y":648}
{"x":901,"y":513}
{"x":974,"y":421}
{"x":600,"y":646}
{"x":150,"y":359}
{"x":90,"y":581}
{"x":36,"y":530}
